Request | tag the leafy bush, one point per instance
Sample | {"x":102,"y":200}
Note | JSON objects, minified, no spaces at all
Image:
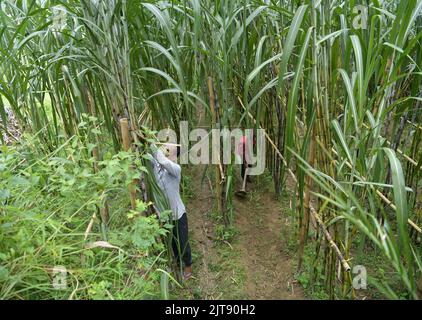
{"x":47,"y":203}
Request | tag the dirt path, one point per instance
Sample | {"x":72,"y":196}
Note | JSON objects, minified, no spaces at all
{"x":254,"y":265}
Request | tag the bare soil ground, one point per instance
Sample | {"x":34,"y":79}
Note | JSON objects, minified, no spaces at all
{"x":254,"y":265}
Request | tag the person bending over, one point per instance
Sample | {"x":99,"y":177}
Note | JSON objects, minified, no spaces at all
{"x":243,"y":150}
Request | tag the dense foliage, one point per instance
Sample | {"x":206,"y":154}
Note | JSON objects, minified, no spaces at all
{"x":49,"y":218}
{"x":337,"y":89}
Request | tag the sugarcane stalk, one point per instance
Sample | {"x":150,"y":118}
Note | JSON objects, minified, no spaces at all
{"x":312,"y":210}
{"x":304,"y":228}
{"x":124,"y":127}
{"x":218,"y":169}
{"x":332,"y":244}
{"x":384,"y":198}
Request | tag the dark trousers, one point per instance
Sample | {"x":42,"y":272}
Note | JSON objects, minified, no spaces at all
{"x":243,"y":168}
{"x":180,"y":243}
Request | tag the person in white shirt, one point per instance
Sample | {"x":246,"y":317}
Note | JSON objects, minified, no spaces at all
{"x":168,"y":175}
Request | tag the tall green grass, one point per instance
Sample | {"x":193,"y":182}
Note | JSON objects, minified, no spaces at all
{"x":341,"y":104}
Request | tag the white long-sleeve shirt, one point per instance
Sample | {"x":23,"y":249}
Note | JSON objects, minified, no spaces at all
{"x":168,"y":175}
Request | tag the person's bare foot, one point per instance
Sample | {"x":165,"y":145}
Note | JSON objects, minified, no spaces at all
{"x":187,"y":273}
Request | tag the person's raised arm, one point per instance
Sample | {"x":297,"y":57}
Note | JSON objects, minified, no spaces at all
{"x":171,"y":167}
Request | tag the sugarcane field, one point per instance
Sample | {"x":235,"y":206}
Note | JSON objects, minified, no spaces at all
{"x":211,"y":150}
